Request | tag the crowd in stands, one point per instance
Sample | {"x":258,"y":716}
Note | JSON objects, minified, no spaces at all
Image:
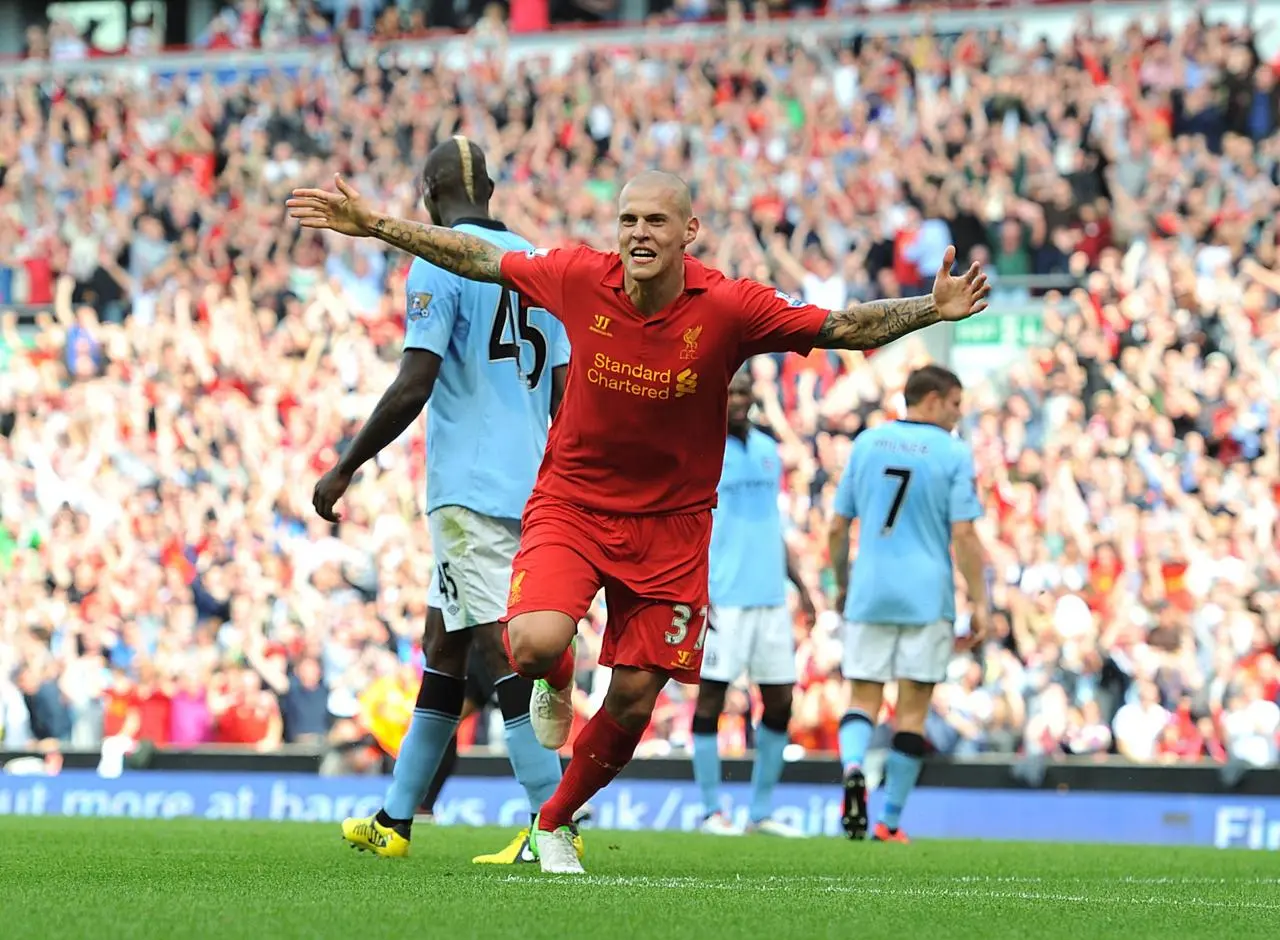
{"x":196,"y":363}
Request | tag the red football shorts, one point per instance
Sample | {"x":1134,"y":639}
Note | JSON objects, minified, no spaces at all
{"x":653,"y":570}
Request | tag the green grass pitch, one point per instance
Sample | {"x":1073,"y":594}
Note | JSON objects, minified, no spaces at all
{"x":108,"y":879}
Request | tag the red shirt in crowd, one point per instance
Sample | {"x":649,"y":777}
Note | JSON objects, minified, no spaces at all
{"x":243,"y":723}
{"x":116,"y":711}
{"x":154,"y":712}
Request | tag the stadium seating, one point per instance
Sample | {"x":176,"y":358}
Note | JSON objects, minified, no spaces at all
{"x":177,"y":366}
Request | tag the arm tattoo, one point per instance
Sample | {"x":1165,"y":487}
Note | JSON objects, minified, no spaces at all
{"x":871,"y":325}
{"x":462,"y":254}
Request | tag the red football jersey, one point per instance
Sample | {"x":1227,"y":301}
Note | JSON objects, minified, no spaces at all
{"x":641,"y":428}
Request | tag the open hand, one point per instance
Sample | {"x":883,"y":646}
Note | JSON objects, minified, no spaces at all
{"x":328,"y":491}
{"x":979,"y":630}
{"x":343,"y":211}
{"x":958,"y":298}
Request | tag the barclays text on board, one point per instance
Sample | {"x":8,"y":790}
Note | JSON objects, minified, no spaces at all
{"x":1153,"y":819}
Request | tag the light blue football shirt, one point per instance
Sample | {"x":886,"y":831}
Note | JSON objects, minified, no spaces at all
{"x":490,"y":410}
{"x":748,"y":557}
{"x":907,"y":482}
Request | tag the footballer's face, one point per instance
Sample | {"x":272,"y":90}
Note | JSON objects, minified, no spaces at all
{"x":740,"y":399}
{"x":654,"y":228}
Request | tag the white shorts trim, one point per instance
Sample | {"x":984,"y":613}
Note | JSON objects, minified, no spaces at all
{"x":876,"y":652}
{"x":757,"y":640}
{"x":473,"y":555}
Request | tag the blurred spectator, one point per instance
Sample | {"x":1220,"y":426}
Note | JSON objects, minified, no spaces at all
{"x":1140,"y":724}
{"x":47,"y":711}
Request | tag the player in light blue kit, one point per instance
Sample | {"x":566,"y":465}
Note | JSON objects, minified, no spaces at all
{"x":910,"y":484}
{"x":750,"y":624}
{"x":494,"y":369}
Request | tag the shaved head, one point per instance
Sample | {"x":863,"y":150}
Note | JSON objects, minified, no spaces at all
{"x":655,"y":226}
{"x":659,"y":182}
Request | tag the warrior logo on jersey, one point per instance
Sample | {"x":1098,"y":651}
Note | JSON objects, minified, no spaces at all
{"x":537,"y":252}
{"x":791,"y":301}
{"x":418,"y":303}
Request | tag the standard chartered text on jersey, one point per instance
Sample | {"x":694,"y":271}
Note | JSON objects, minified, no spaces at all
{"x":632,"y":378}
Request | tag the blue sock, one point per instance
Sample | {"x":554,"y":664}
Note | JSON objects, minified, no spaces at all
{"x":435,"y":721}
{"x":536,"y":768}
{"x":767,"y":770}
{"x":706,"y":770}
{"x":856,"y":728}
{"x":901,"y":771}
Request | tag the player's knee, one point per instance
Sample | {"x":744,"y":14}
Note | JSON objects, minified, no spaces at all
{"x":710,"y":704}
{"x":448,"y":653}
{"x":776,"y":699}
{"x":913,"y":706}
{"x":487,"y":641}
{"x":538,"y":640}
{"x":910,"y":743}
{"x":776,"y":717}
{"x":530,"y":654}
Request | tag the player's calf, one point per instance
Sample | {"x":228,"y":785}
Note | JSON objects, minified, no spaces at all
{"x":632,"y":695}
{"x":901,"y":771}
{"x":537,"y":769}
{"x":706,"y":752}
{"x":606,"y":744}
{"x":772,"y":738}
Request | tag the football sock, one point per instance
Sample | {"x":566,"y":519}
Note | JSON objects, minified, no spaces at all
{"x":536,"y":768}
{"x":901,"y":771}
{"x":601,"y":751}
{"x":560,"y":676}
{"x":706,"y":761}
{"x":767,"y":770}
{"x":434,"y":723}
{"x":447,"y":763}
{"x":856,"y":729}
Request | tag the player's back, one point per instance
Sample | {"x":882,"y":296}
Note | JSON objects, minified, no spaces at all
{"x":906,"y":482}
{"x":489,"y":413}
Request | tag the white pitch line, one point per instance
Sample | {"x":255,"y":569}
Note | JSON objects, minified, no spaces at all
{"x":961,"y":887}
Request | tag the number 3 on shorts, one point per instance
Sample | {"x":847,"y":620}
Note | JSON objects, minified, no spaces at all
{"x":680,"y":625}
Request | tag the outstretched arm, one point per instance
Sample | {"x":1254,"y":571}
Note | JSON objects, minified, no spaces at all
{"x":877,"y":323}
{"x":874,"y":324}
{"x":345,"y":212}
{"x":462,"y":254}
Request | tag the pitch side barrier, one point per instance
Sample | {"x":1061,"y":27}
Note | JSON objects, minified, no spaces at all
{"x":1068,"y":801}
{"x":1110,"y":774}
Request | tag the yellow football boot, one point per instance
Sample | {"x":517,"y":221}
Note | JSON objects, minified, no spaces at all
{"x":519,"y":852}
{"x":369,"y":835}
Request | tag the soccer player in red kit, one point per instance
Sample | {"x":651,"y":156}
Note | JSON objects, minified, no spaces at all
{"x":624,"y":496}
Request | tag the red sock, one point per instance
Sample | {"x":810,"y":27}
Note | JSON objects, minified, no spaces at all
{"x":561,"y":674}
{"x":603,"y":748}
